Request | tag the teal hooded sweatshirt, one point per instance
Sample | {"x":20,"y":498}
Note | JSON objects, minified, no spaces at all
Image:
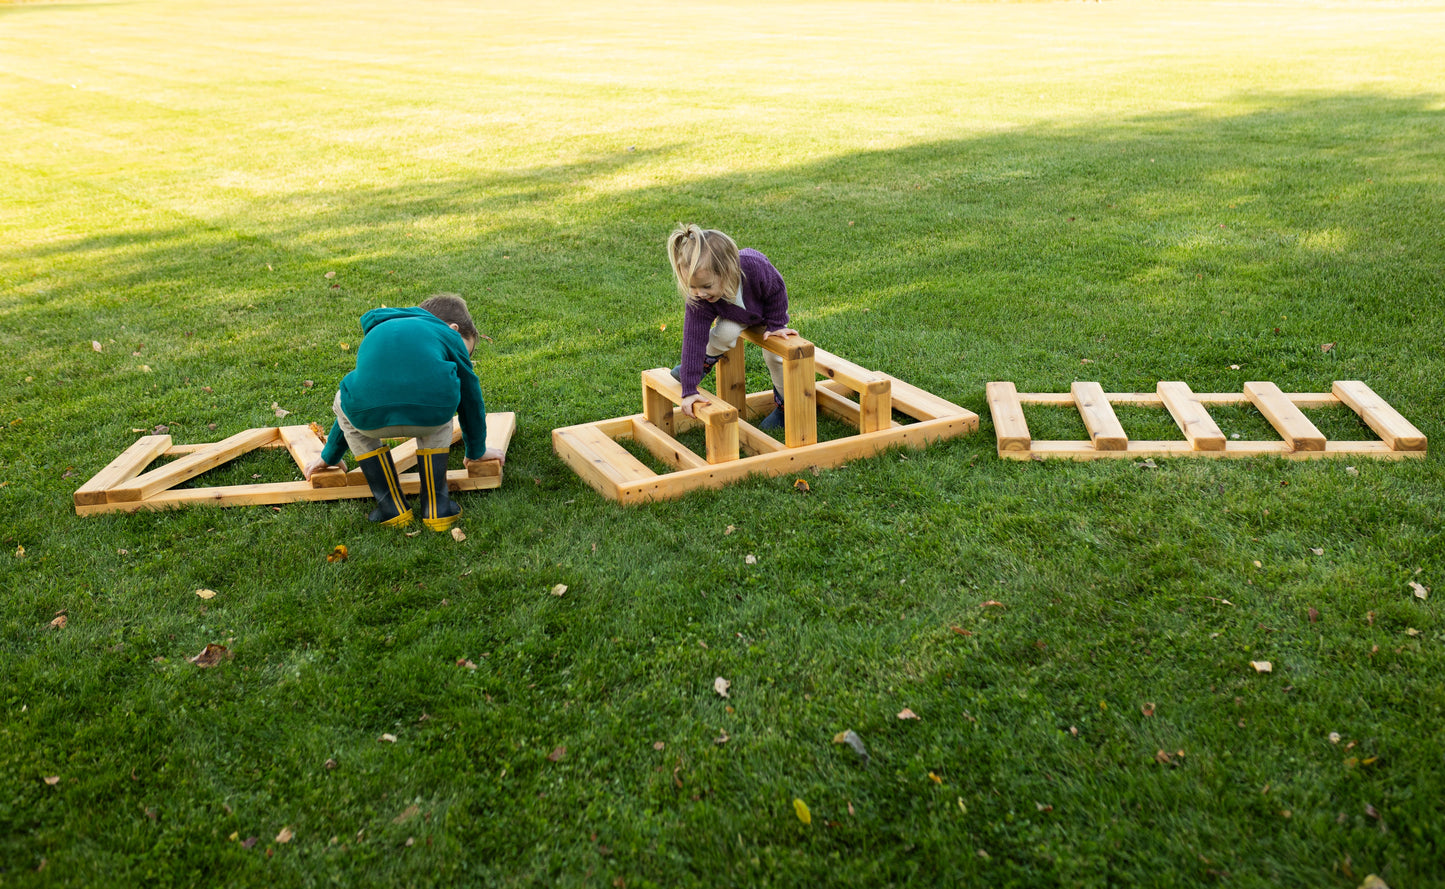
{"x":412,"y":369}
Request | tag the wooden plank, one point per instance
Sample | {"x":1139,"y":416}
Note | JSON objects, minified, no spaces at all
{"x":1394,"y":430}
{"x":720,"y":435}
{"x":1287,"y":419}
{"x":822,"y":455}
{"x":189,"y":466}
{"x":1193,"y":420}
{"x":304,"y":447}
{"x":1099,"y":419}
{"x":923,"y":405}
{"x":132,"y":461}
{"x":732,"y":378}
{"x":1084,"y":450}
{"x":1152,"y":399}
{"x":1008,"y":417}
{"x":663,"y":446}
{"x":839,"y":407}
{"x":791,"y":348}
{"x":753,"y":440}
{"x":856,"y":377}
{"x":597,"y":459}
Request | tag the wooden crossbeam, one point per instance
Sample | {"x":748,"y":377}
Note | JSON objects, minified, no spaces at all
{"x":1393,"y":429}
{"x":1008,"y":417}
{"x":1193,"y":420}
{"x":1289,"y":421}
{"x":719,"y":419}
{"x":1099,"y":419}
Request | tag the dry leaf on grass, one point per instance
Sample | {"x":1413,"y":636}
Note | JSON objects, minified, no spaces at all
{"x":206,"y":594}
{"x":212,"y":655}
{"x":457,"y":535}
{"x":559,"y":590}
{"x":280,"y":411}
{"x":52,"y":780}
{"x":387,"y":738}
{"x":905,"y":713}
{"x":285,"y":835}
{"x":721,"y":686}
{"x":407,"y":814}
{"x":557,"y":754}
{"x":95,"y":345}
{"x":338,"y":553}
{"x":317,"y":431}
{"x":1420,"y":591}
{"x":19,"y":552}
{"x":59,"y":622}
{"x":1262,"y":666}
{"x":750,"y":559}
{"x":1325,"y":347}
{"x":991,"y":603}
{"x":800,"y":809}
{"x":802,"y":485}
{"x":728,"y":530}
{"x":851,"y":738}
{"x":1147,"y":708}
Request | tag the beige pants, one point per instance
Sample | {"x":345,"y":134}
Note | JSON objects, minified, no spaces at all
{"x":364,"y":441}
{"x":724,"y":337}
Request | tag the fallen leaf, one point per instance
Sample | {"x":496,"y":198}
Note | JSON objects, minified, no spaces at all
{"x":750,"y":559}
{"x":1043,"y":807}
{"x":211,"y":655}
{"x":722,"y":738}
{"x":280,"y":411}
{"x":559,"y":589}
{"x":1325,"y":347}
{"x":1372,"y":811}
{"x":802,"y":485}
{"x":1258,"y":563}
{"x":961,"y":631}
{"x":206,"y":594}
{"x":307,"y":384}
{"x":1314,"y":614}
{"x":1262,"y":666}
{"x":52,"y":780}
{"x":1319,"y":551}
{"x":1147,"y":464}
{"x":991,"y":603}
{"x":146,"y":368}
{"x":59,"y":622}
{"x":330,"y":764}
{"x":1374,"y":882}
{"x":800,"y":808}
{"x":344,"y":346}
{"x":19,"y":552}
{"x":457,"y":535}
{"x":329,"y":275}
{"x":557,"y":754}
{"x":1147,"y":708}
{"x":851,"y":738}
{"x":721,"y":686}
{"x":1421,"y":592}
{"x":934,"y":778}
{"x":416,"y":533}
{"x":387,"y":738}
{"x":728,"y":530}
{"x":1334,"y":737}
{"x":1350,"y":470}
{"x":1163,"y":758}
{"x":338,"y":553}
{"x":285,"y":835}
{"x":1234,"y":367}
{"x":407,"y":814}
{"x":249,"y":842}
{"x":659,"y":745}
{"x":316,"y":430}
{"x":1411,"y":632}
{"x":95,"y":345}
{"x":905,"y":713}
{"x":463,"y":662}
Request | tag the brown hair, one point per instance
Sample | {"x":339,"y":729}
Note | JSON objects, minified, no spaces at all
{"x":452,"y":309}
{"x":691,"y":248}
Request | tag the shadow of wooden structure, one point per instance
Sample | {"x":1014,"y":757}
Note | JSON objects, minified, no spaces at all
{"x":733,"y":447}
{"x":125,"y":485}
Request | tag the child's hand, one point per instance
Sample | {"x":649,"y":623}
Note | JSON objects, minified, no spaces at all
{"x":318,"y":465}
{"x":691,"y":400}
{"x":781,"y":333}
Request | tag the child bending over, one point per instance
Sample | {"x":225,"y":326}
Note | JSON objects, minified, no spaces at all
{"x":725,"y":290}
{"x":413,"y":373}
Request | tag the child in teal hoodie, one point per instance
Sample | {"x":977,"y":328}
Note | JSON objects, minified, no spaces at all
{"x":413,"y":373}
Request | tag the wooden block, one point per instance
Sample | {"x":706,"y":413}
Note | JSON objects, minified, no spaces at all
{"x":1193,"y":420}
{"x":800,"y":401}
{"x":1008,"y":417}
{"x":1393,"y":429}
{"x":660,"y":380}
{"x":790,"y":348}
{"x":732,"y":378}
{"x":190,"y":466}
{"x":663,"y":446}
{"x":304,"y":447}
{"x":720,"y":435}
{"x":132,"y":461}
{"x":1099,"y":418}
{"x":1287,"y":419}
{"x":657,"y":407}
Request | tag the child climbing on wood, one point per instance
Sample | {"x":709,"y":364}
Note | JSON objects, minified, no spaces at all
{"x":725,"y":290}
{"x":413,"y":373}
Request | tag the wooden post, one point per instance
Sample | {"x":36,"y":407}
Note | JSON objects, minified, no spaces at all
{"x":719,"y":419}
{"x":656,"y":406}
{"x":1193,"y":420}
{"x":875,"y":399}
{"x":732,"y":379}
{"x":800,"y":380}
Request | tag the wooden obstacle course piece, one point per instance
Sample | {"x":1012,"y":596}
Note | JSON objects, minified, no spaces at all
{"x":735,"y":448}
{"x":1203,"y":438}
{"x":125,"y":486}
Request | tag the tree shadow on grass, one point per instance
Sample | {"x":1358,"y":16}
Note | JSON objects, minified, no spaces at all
{"x":1167,"y":246}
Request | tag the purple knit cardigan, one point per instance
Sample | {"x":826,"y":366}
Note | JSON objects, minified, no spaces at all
{"x":765,"y":302}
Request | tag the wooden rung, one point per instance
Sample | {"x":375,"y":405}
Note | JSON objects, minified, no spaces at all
{"x":1393,"y":429}
{"x":663,"y":446}
{"x":1099,"y":418}
{"x":755,"y":441}
{"x":1287,"y":419}
{"x":921,"y":404}
{"x":791,"y":348}
{"x":602,"y":462}
{"x":190,"y":466}
{"x":122,"y":469}
{"x":1008,"y":417}
{"x":856,"y":377}
{"x":1193,"y":419}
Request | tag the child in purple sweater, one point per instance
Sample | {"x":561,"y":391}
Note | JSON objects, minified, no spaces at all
{"x":725,"y":290}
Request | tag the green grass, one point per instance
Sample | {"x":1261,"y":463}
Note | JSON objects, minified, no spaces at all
{"x":955,"y":193}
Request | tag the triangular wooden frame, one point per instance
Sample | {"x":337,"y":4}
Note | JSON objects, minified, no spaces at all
{"x":125,"y":486}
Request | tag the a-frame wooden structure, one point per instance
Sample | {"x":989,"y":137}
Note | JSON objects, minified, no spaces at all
{"x":126,"y":486}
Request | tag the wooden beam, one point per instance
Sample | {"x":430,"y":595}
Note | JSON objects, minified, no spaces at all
{"x":1084,"y":450}
{"x":1008,"y":417}
{"x":790,"y":348}
{"x":663,"y":446}
{"x":132,"y":461}
{"x":719,"y":419}
{"x":598,"y":460}
{"x":1099,"y":418}
{"x":190,"y":466}
{"x":305,"y":447}
{"x":800,"y":380}
{"x":1393,"y":429}
{"x":753,"y":440}
{"x":923,"y":405}
{"x":1193,"y":420}
{"x":1287,"y":419}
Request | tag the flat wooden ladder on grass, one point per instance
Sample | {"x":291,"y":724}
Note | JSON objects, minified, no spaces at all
{"x":735,"y":448}
{"x":1299,"y":439}
{"x":125,"y":485}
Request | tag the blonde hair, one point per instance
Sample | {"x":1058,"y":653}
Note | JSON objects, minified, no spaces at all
{"x":691,"y":249}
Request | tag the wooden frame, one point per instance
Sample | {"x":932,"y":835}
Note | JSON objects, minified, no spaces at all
{"x":1299,"y":439}
{"x":735,"y":448}
{"x":125,"y":485}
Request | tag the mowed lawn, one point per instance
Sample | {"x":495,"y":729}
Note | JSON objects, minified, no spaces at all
{"x":1050,"y":666}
